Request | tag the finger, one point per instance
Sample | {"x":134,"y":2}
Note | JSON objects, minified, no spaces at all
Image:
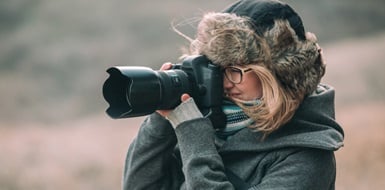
{"x":185,"y":97}
{"x":166,"y":66}
{"x":164,"y":113}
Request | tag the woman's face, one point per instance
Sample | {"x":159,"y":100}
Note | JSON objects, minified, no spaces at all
{"x":241,"y":83}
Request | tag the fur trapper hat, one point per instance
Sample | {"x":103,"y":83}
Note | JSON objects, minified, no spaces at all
{"x":263,"y":32}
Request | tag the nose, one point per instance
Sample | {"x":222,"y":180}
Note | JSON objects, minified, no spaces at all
{"x":227,"y":84}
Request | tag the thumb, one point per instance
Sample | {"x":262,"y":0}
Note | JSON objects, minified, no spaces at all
{"x":185,"y":97}
{"x":166,"y":66}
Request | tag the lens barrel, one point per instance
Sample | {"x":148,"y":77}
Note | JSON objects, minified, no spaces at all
{"x":133,"y":91}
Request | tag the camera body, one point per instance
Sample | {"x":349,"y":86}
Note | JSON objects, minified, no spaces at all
{"x":133,"y":91}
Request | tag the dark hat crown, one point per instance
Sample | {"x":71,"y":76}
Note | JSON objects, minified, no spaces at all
{"x":263,"y":13}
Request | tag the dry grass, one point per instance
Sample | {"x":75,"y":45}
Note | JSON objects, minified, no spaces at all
{"x":83,"y":155}
{"x":89,"y":154}
{"x":52,"y":58}
{"x":361,"y":162}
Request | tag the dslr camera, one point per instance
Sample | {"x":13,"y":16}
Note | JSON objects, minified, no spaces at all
{"x":133,"y":91}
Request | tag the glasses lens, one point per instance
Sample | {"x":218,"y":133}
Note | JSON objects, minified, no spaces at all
{"x":233,"y":74}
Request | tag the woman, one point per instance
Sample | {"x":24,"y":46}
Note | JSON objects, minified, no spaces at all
{"x":280,"y":131}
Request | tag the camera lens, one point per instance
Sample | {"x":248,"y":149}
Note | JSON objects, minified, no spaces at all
{"x":137,"y":91}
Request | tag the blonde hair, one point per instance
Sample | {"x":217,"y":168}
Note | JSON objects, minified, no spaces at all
{"x":277,"y":105}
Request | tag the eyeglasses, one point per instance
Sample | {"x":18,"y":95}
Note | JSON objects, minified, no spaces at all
{"x":235,"y":74}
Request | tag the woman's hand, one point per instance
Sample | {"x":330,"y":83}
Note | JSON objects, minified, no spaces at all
{"x":165,"y":113}
{"x":184,"y":97}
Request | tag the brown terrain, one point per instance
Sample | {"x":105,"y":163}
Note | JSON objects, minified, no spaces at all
{"x":53,"y":55}
{"x":89,"y":153}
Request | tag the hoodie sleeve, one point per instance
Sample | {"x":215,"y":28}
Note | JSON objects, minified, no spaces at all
{"x":202,"y":165}
{"x":300,"y":169}
{"x":150,"y":163}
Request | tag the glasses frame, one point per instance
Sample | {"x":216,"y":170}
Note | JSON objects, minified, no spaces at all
{"x":242,"y":72}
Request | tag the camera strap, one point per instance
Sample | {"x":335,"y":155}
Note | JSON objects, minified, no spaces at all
{"x":237,"y":182}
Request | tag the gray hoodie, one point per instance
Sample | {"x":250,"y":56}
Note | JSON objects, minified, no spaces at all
{"x":299,"y":155}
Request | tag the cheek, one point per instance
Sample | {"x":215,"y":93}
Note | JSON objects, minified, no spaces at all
{"x":253,"y":88}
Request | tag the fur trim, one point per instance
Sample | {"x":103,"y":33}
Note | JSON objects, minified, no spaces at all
{"x":227,"y":39}
{"x":294,"y":62}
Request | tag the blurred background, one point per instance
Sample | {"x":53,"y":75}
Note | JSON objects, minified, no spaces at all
{"x":54,"y":133}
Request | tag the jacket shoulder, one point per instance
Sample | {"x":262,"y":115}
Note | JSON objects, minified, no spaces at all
{"x":313,"y":168}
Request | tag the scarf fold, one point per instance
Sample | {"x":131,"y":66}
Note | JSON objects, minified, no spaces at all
{"x":236,"y":119}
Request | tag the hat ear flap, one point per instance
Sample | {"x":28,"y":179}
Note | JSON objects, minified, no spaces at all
{"x":281,"y":36}
{"x":292,"y":60}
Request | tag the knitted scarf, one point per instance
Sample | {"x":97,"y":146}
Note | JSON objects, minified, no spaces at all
{"x":236,"y":119}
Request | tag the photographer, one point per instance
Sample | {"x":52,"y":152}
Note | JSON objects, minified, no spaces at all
{"x":280,"y":129}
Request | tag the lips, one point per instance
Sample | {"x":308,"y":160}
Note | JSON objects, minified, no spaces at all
{"x":232,"y":95}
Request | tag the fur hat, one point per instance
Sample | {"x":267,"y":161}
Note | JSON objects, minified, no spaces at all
{"x":263,"y":32}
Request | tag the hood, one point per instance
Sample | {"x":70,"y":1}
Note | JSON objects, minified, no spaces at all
{"x":313,"y":126}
